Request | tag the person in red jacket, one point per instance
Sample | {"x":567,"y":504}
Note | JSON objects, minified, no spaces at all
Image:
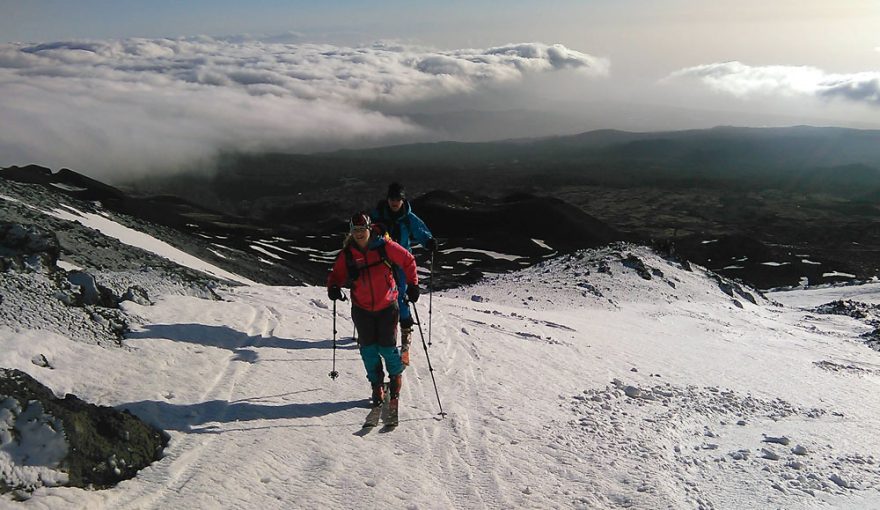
{"x":366,"y":264}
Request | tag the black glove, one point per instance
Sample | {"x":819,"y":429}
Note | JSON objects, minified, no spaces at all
{"x":334,"y":293}
{"x":431,"y":245}
{"x":412,"y":293}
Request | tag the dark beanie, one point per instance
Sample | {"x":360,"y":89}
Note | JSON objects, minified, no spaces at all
{"x":396,"y":190}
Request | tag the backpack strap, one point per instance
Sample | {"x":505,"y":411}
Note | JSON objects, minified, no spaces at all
{"x":384,"y":257}
{"x":354,"y":269}
{"x":351,"y":267}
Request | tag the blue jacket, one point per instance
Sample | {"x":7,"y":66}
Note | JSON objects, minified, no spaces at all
{"x":404,"y":226}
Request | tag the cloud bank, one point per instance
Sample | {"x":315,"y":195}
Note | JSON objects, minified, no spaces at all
{"x":743,"y":80}
{"x":113,"y":108}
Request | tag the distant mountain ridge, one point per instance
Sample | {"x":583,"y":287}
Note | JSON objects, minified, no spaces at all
{"x":837,"y":160}
{"x":751,"y":203}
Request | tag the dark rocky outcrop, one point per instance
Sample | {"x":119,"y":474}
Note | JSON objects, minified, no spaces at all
{"x":733,"y":289}
{"x":105,"y":446}
{"x":856,"y":309}
{"x":27,"y":248}
{"x":137,"y":294}
{"x":91,"y":292}
{"x":73,"y":183}
{"x":633,"y":262}
{"x":865,"y":312}
{"x":29,"y":256}
{"x":872,"y":338}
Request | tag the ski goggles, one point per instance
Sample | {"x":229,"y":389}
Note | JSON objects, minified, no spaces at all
{"x":359,"y":221}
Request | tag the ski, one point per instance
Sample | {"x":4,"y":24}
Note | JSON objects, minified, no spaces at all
{"x":376,"y":412}
{"x":373,"y":418}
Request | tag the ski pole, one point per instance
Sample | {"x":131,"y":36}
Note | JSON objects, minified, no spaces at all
{"x":333,"y":373}
{"x":431,"y":298}
{"x":427,"y":357}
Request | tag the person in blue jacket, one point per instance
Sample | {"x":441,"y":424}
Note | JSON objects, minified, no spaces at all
{"x":395,"y":215}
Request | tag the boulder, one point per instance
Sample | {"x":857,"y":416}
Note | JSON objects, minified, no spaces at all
{"x":137,"y":294}
{"x":27,"y":248}
{"x":95,"y":446}
{"x":91,"y":292}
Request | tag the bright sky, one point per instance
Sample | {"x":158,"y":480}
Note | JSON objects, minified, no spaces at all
{"x":306,"y":76}
{"x":838,"y":36}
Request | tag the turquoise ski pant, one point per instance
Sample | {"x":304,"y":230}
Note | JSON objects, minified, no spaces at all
{"x":373,"y":355}
{"x":377,"y":338}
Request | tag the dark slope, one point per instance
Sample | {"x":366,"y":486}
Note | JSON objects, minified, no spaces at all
{"x":187,"y":226}
{"x":509,"y":224}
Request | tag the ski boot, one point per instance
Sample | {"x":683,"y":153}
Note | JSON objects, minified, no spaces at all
{"x":405,"y":341}
{"x":394,"y":394}
{"x":378,"y":395}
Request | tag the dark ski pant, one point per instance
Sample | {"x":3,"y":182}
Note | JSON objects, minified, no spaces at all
{"x":377,"y":339}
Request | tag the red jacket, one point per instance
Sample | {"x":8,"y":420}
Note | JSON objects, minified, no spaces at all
{"x":374,"y":288}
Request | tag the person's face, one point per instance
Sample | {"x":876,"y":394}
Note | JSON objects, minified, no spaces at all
{"x":361,"y":235}
{"x":395,"y":204}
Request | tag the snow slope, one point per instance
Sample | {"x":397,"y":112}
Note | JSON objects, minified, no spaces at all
{"x":577,"y":383}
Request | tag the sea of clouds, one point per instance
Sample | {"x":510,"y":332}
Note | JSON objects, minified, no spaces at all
{"x":743,"y":80}
{"x":117,"y":108}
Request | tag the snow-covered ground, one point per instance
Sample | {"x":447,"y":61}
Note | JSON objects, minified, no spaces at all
{"x":577,"y":383}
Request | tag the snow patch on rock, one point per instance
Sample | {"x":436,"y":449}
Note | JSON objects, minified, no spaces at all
{"x":32,"y":446}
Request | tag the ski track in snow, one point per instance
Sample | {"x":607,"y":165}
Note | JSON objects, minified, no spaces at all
{"x":196,"y":453}
{"x":629,"y":394}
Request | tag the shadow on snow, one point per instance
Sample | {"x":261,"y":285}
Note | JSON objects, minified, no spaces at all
{"x":227,"y":338}
{"x":183,"y":417}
